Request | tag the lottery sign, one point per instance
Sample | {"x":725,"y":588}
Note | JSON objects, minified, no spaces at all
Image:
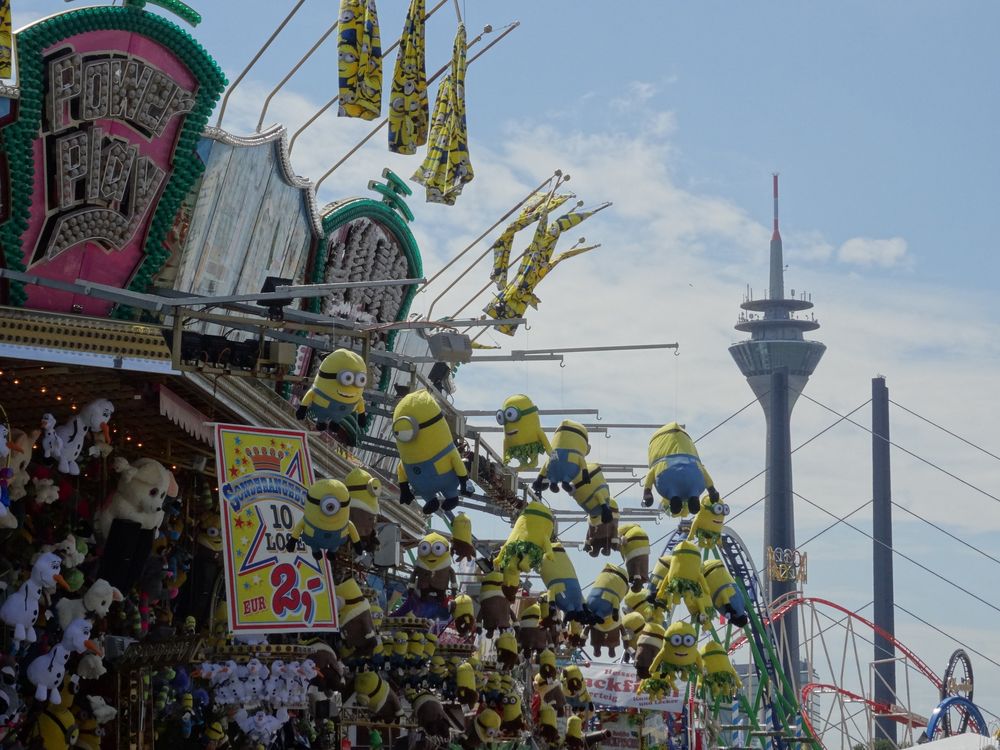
{"x":273,"y":584}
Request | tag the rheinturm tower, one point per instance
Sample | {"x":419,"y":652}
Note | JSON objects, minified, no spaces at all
{"x":777,"y":361}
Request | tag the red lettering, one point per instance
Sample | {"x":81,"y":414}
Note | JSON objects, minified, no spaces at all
{"x":252,"y":606}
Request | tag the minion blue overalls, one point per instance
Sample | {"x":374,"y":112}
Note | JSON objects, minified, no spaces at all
{"x":334,"y":412}
{"x":330,"y":540}
{"x":598,"y":605}
{"x":570,"y":599}
{"x":679,"y":475}
{"x":425,"y":480}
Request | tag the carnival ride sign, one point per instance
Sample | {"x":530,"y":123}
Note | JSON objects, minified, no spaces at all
{"x":103,"y":150}
{"x":273,"y":584}
{"x":615,"y":685}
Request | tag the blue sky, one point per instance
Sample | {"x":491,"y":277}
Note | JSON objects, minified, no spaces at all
{"x":880,"y":118}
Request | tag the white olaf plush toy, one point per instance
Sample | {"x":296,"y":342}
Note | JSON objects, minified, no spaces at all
{"x":21,"y":608}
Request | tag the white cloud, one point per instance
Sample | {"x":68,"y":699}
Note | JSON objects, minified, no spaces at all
{"x":865,"y":251}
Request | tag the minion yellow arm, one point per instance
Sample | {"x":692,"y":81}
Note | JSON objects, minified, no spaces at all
{"x":650,"y":478}
{"x":706,"y":475}
{"x":544,"y":440}
{"x":401,"y":473}
{"x":360,"y":408}
{"x":299,"y":528}
{"x":307,"y":399}
{"x":457,"y":465}
{"x":352,"y":532}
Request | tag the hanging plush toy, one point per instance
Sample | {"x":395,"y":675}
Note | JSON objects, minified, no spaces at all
{"x":532,"y":637}
{"x":602,"y":537}
{"x":508,"y":655}
{"x":433,"y":574}
{"x":719,"y":676}
{"x":429,"y":714}
{"x":374,"y":693}
{"x":575,"y":688}
{"x":562,"y":583}
{"x":686,"y":582}
{"x":632,"y":626}
{"x":547,"y":724}
{"x":605,"y":597}
{"x":513,"y":718}
{"x":462,"y":546}
{"x":52,"y":444}
{"x":482,"y":729}
{"x":494,"y":609}
{"x":94,"y":417}
{"x":635,"y":552}
{"x":46,"y":671}
{"x":523,"y":437}
{"x":20,"y":444}
{"x":676,"y":471}
{"x":726,"y":598}
{"x":605,"y":634}
{"x":566,"y":466}
{"x":550,"y":692}
{"x":337,"y":391}
{"x":529,"y":541}
{"x":678,"y":658}
{"x":466,"y":690}
{"x":658,"y":576}
{"x":364,"y":491}
{"x":20,"y":610}
{"x":356,"y":625}
{"x":429,"y":464}
{"x":593,"y":495}
{"x":96,"y":602}
{"x":648,"y":646}
{"x":130,"y":521}
{"x":56,"y":725}
{"x":463,"y":614}
{"x":547,"y":665}
{"x":706,"y":529}
{"x":326,"y":519}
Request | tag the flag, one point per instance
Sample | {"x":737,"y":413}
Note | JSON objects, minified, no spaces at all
{"x":529,"y":214}
{"x":446,"y":166}
{"x":408,"y":97}
{"x":359,"y":60}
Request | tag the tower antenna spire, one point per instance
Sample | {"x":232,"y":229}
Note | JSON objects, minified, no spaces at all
{"x":776,"y":234}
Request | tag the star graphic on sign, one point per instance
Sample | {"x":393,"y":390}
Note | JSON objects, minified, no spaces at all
{"x":244,"y":540}
{"x":239,"y":553}
{"x":234,"y":472}
{"x":240,"y":523}
{"x":282,"y":446}
{"x":246,"y":586}
{"x":273,"y":442}
{"x":256,"y":580}
{"x":238,"y":441}
{"x":249,"y":513}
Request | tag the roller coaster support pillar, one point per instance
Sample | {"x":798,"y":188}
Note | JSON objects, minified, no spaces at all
{"x":779,"y":513}
{"x":885,"y":652}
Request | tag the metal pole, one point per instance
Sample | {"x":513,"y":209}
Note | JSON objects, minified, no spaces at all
{"x":885,"y":652}
{"x":779,"y":531}
{"x":294,"y":70}
{"x":241,"y":76}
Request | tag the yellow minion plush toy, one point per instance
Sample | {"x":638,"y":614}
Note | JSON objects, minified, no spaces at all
{"x":513,"y":720}
{"x":566,"y":466}
{"x":676,"y":471}
{"x":433,"y":574}
{"x":719,"y":676}
{"x":508,"y":656}
{"x":429,"y":463}
{"x":635,"y":552}
{"x":686,"y":582}
{"x":593,"y":495}
{"x":678,"y":658}
{"x":494,"y":609}
{"x":374,"y":693}
{"x":529,"y":541}
{"x":605,"y":598}
{"x":485,"y":727}
{"x":337,"y":390}
{"x":648,"y":646}
{"x":364,"y":491}
{"x":523,"y":437}
{"x":462,"y":545}
{"x":706,"y":529}
{"x":356,"y":624}
{"x":548,"y":723}
{"x":325,"y":523}
{"x":726,"y":598}
{"x":463,"y":614}
{"x":466,"y":690}
{"x":603,"y":537}
{"x":632,"y":625}
{"x":562,"y":583}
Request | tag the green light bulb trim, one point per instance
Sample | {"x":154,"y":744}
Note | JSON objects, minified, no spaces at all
{"x":16,"y":138}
